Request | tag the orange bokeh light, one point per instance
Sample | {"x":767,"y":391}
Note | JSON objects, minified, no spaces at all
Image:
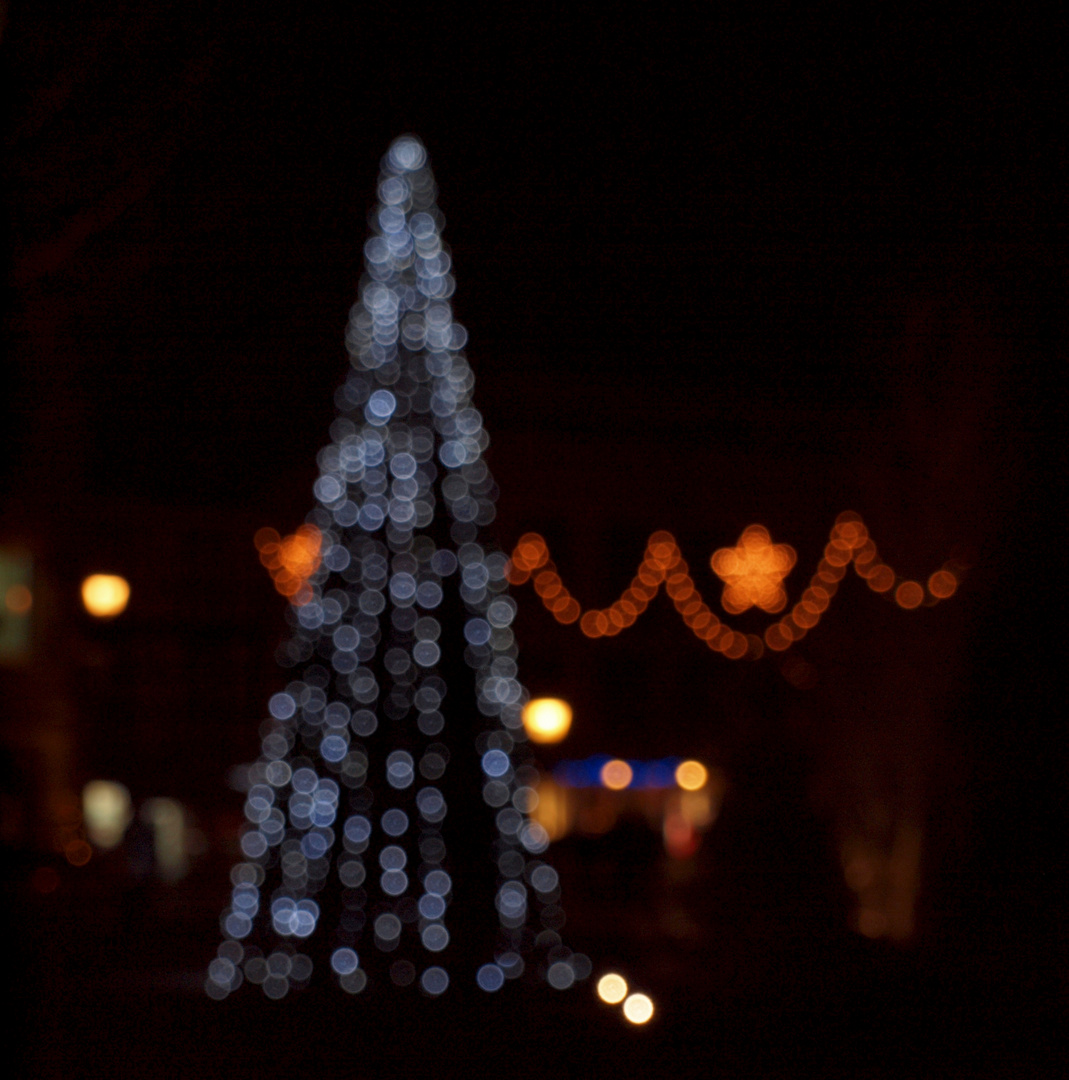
{"x":547,"y":720}
{"x":753,"y":572}
{"x":909,"y":595}
{"x":691,"y":775}
{"x":942,"y":584}
{"x":616,"y":775}
{"x":105,"y":595}
{"x":291,"y":560}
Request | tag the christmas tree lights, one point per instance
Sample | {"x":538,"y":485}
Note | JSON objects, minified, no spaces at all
{"x":405,"y":702}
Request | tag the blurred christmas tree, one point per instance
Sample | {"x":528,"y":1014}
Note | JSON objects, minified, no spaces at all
{"x":388,"y":835}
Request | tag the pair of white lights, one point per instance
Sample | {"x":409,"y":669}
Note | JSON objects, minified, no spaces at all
{"x":613,"y":989}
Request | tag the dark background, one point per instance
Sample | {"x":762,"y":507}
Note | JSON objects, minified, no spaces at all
{"x":716,"y":269}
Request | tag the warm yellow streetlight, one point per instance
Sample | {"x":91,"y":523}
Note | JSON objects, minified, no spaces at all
{"x":105,"y":595}
{"x":547,"y":720}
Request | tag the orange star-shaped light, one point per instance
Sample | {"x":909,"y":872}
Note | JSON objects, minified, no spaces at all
{"x":753,"y":571}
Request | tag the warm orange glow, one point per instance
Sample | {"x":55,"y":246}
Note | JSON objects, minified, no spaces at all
{"x":698,"y":807}
{"x":942,"y":584}
{"x":530,"y":554}
{"x":291,"y":560}
{"x":691,"y":775}
{"x":18,"y":599}
{"x":105,"y":595}
{"x":681,"y":839}
{"x":753,"y":572}
{"x":872,"y":922}
{"x":553,"y":811}
{"x":860,"y":871}
{"x":909,"y":595}
{"x":597,"y":817}
{"x":885,"y":880}
{"x":616,"y":775}
{"x":638,"y":1008}
{"x":612,"y":988}
{"x":547,"y":720}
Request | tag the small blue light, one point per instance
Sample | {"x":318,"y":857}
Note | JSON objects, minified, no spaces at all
{"x":282,"y":706}
{"x":490,"y":978}
{"x":496,"y":763}
{"x":477,"y":631}
{"x":431,"y":906}
{"x":344,"y":961}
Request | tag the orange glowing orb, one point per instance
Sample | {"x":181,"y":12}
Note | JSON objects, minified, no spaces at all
{"x":691,"y":775}
{"x":105,"y":595}
{"x":753,"y":572}
{"x":547,"y":720}
{"x":291,"y":560}
{"x":616,"y":775}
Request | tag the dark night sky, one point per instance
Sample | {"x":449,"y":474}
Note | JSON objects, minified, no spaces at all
{"x":715,"y":268}
{"x":704,"y":211}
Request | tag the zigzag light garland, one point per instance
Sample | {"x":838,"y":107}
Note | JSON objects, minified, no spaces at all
{"x":751,"y":571}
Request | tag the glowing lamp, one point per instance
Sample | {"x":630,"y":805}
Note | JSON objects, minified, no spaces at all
{"x":106,"y":810}
{"x":612,"y":988}
{"x":638,"y":1008}
{"x":105,"y":595}
{"x":547,"y":720}
{"x":691,"y":775}
{"x":616,"y":775}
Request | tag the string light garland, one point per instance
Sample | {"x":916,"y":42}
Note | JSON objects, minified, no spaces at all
{"x":752,"y":572}
{"x":392,"y":599}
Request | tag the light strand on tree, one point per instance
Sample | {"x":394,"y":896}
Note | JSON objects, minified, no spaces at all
{"x":752,"y":573}
{"x":387,"y":580}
